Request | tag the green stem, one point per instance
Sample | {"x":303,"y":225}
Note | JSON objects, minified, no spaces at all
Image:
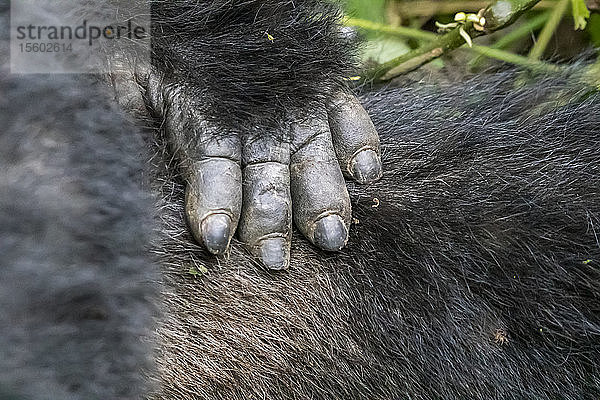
{"x":416,"y":58}
{"x":544,"y":38}
{"x":400,"y":31}
{"x":428,"y":36}
{"x":534,"y":65}
{"x":523,"y":30}
{"x":502,"y":13}
{"x":498,"y":15}
{"x":428,"y":8}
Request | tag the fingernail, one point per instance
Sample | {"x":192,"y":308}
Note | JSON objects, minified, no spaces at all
{"x":216,"y":232}
{"x":331,"y":233}
{"x":275,"y":253}
{"x":365,"y":167}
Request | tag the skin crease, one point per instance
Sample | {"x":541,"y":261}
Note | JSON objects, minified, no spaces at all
{"x":187,"y":98}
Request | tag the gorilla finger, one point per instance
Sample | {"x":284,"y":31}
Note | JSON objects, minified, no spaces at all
{"x":266,"y":219}
{"x":210,"y":160}
{"x":321,"y":202}
{"x":355,"y":139}
{"x":213,"y":202}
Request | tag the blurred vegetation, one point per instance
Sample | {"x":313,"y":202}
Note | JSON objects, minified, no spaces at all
{"x":551,"y":33}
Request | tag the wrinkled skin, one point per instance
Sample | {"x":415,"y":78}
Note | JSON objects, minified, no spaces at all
{"x":250,"y":181}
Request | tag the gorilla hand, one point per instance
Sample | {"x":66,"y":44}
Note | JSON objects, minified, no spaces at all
{"x":252,"y":98}
{"x":250,"y":180}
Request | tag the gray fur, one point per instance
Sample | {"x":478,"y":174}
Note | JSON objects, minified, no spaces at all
{"x":77,"y":285}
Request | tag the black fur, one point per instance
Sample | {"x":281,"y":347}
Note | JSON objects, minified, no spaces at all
{"x":248,"y":63}
{"x":476,"y":276}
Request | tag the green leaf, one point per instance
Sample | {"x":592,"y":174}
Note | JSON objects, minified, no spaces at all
{"x":381,"y":49}
{"x":580,"y":14}
{"x":198,"y":270}
{"x":593,"y":29}
{"x":373,"y":10}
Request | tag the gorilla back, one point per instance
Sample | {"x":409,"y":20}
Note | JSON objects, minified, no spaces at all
{"x":472,"y":270}
{"x":471,"y":273}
